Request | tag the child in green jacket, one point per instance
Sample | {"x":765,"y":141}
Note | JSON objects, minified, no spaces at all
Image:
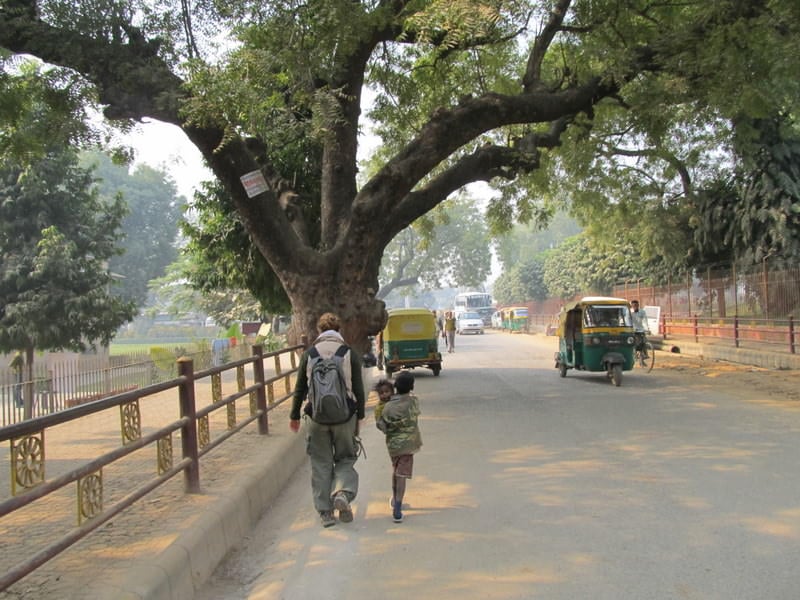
{"x":397,"y":417}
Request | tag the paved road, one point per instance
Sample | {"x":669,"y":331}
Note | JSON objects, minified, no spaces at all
{"x":533,"y":486}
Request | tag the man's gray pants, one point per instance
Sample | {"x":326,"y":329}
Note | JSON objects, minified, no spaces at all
{"x":332,"y":451}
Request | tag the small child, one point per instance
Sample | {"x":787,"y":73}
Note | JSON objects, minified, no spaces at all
{"x":397,"y":418}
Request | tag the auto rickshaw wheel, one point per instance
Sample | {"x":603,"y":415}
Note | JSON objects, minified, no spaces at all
{"x":562,"y":369}
{"x":436,"y":370}
{"x":388,"y":370}
{"x":616,"y":374}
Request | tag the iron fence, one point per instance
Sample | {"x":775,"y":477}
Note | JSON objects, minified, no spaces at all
{"x":758,"y":292}
{"x":63,"y":383}
{"x":104,"y":488}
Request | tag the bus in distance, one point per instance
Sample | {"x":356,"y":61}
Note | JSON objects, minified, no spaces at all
{"x":479,"y":302}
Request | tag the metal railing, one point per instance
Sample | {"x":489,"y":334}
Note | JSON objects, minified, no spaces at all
{"x":27,"y":443}
{"x":777,"y":335}
{"x":62,"y":384}
{"x":774,"y":334}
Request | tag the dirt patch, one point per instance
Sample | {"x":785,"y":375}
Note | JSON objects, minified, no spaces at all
{"x":775,"y":383}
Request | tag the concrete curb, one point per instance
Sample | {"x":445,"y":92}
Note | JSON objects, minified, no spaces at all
{"x":746,"y":356}
{"x":186,"y":564}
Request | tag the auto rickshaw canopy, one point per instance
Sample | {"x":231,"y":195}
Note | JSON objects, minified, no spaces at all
{"x":410,"y":324}
{"x":595,"y":312}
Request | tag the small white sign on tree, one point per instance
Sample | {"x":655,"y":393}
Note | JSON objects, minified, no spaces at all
{"x":254,"y":183}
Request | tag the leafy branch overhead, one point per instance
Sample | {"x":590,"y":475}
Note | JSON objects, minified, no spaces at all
{"x":514,"y":93}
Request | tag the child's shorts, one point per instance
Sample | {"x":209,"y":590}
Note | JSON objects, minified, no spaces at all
{"x":403,"y":465}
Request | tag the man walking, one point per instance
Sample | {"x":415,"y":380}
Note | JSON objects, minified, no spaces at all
{"x":640,"y":326}
{"x":332,"y":447}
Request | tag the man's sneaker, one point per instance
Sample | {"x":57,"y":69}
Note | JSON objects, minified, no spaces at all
{"x":397,"y":514}
{"x":326,"y":517}
{"x":341,"y":504}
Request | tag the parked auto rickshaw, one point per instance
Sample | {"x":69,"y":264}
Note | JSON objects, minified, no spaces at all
{"x":595,"y":334}
{"x":515,"y":318}
{"x":409,"y":340}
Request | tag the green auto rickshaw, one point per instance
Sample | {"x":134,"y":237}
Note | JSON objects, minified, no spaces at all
{"x":595,"y":334}
{"x":410,"y":339}
{"x":515,"y":318}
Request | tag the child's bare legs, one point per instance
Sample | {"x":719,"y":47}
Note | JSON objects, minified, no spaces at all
{"x":403,"y":469}
{"x":398,"y":489}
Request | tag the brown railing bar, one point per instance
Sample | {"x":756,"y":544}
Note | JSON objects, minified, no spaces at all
{"x":280,"y":401}
{"x":208,"y":409}
{"x":261,"y":393}
{"x":226,"y":434}
{"x":37,"y":560}
{"x":191,"y":476}
{"x":52,"y":485}
{"x":38,"y":423}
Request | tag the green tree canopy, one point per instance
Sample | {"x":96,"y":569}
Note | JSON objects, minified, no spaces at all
{"x":525,"y":96}
{"x":754,"y":213}
{"x":580,"y":266}
{"x":522,"y":282}
{"x":56,"y":237}
{"x":56,"y":234}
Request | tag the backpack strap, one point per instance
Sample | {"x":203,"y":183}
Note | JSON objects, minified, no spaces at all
{"x":340,"y":352}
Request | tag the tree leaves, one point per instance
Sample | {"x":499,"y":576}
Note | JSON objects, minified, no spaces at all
{"x":56,"y":240}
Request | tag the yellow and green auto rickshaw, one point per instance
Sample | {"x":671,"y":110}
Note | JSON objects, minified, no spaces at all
{"x":515,"y":318}
{"x":410,"y":339}
{"x":595,"y":334}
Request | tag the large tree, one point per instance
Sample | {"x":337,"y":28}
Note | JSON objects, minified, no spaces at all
{"x":467,"y":91}
{"x":56,"y":237}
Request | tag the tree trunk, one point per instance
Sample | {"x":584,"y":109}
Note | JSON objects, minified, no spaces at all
{"x":347,"y":288}
{"x":359,"y":318}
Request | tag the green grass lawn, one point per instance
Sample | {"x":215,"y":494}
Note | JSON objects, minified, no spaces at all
{"x":118,"y":348}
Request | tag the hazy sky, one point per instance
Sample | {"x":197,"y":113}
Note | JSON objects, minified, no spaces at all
{"x":166,"y":147}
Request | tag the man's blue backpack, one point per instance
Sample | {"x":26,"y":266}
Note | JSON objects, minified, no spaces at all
{"x":327,"y":390}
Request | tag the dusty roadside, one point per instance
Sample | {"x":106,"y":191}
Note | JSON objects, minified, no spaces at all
{"x":745,"y":379}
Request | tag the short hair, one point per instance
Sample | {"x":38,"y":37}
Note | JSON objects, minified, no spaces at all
{"x":404,"y":382}
{"x":383,"y":383}
{"x":328,"y":321}
{"x":634,"y":302}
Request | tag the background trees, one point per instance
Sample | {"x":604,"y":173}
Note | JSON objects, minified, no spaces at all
{"x":56,"y":233}
{"x":447,"y":248}
{"x":150,"y":227}
{"x":617,"y":106}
